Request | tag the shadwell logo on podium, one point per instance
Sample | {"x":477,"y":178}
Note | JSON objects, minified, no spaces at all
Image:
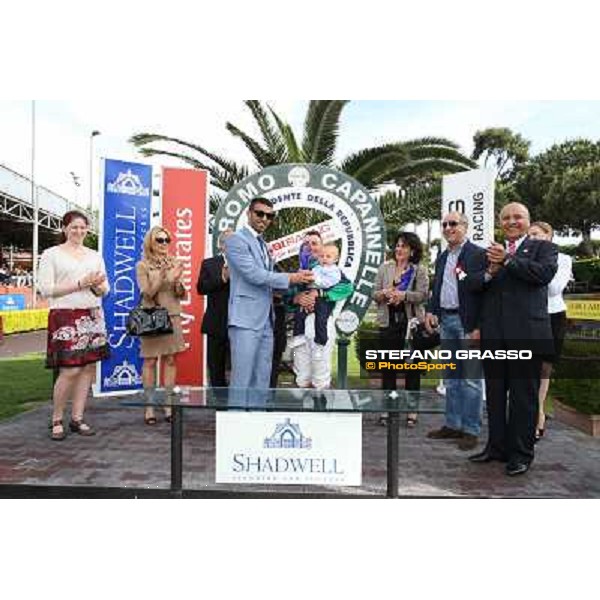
{"x":289,"y":448}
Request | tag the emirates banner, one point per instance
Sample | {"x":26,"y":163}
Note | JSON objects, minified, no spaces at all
{"x":184,"y":206}
{"x":472,"y":193}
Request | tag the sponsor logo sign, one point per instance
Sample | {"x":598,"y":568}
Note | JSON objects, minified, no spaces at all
{"x":184,"y":201}
{"x":472,"y":194}
{"x":354,"y":216}
{"x":289,"y":448}
{"x":124,"y":222}
{"x":12,"y":301}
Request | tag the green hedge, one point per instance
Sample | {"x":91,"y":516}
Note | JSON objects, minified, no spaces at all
{"x":587,"y":270}
{"x":581,"y":394}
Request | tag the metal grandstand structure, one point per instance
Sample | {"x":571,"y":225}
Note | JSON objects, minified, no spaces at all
{"x":16,"y":203}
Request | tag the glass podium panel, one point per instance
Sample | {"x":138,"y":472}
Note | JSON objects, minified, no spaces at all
{"x":294,"y":400}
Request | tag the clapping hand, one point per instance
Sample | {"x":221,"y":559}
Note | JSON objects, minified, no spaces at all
{"x":394,"y":296}
{"x":94,"y":278}
{"x":177,"y":271}
{"x":496,"y":253}
{"x":431,"y":322}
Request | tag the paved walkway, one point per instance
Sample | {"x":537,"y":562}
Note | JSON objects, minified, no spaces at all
{"x":126,"y":453}
{"x":23,"y":343}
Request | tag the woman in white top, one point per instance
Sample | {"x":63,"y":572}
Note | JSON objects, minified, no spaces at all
{"x":73,"y":279}
{"x":558,"y":315}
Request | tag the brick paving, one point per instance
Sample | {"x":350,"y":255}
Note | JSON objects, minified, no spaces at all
{"x":127,"y":453}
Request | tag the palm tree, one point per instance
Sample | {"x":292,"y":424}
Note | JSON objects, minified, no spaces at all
{"x":402,"y":163}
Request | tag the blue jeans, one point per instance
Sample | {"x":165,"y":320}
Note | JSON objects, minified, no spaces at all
{"x":464,"y":392}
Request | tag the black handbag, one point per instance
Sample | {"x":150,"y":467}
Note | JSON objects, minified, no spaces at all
{"x":149,"y":322}
{"x":421,"y":339}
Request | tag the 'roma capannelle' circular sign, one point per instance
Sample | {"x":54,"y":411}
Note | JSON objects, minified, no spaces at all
{"x":354,"y":218}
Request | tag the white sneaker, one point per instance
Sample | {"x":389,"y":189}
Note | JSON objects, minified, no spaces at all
{"x":441,"y":389}
{"x":297,"y":340}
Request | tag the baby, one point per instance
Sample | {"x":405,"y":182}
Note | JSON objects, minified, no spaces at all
{"x":327,"y":274}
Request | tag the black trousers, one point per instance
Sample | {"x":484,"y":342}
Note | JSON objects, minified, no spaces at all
{"x":394,"y":336}
{"x":511,"y":389}
{"x":217,"y":357}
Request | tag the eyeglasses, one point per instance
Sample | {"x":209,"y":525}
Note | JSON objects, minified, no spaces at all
{"x":261,"y":214}
{"x":450,"y":224}
{"x":162,"y":240}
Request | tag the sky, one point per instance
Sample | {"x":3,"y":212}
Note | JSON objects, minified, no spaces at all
{"x":63,"y":129}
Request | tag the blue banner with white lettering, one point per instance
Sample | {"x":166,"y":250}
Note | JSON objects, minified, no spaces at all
{"x":12,"y":301}
{"x":127,"y":196}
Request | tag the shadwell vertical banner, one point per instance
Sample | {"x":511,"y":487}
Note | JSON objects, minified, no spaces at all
{"x":184,"y":214}
{"x":125,"y":219}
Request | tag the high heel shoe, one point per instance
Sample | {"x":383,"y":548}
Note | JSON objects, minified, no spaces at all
{"x":57,"y":436}
{"x":150,"y":419}
{"x":78,"y":426}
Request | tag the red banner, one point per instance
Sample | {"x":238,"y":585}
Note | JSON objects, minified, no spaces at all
{"x":184,"y":214}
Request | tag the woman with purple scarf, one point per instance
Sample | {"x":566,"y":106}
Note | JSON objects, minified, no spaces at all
{"x":400,"y":291}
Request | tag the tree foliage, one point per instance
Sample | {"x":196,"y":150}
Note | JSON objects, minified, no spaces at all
{"x":561,"y":186}
{"x":507,"y":151}
{"x":403,"y":163}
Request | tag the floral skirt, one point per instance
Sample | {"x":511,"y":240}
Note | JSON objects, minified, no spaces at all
{"x":76,"y":337}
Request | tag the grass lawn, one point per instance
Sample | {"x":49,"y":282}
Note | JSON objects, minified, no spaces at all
{"x":25,"y":384}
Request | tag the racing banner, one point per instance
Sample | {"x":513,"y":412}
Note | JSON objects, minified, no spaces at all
{"x":472,"y":193}
{"x":184,"y":214}
{"x":124,"y":221}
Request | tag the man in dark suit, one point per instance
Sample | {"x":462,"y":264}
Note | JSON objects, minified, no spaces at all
{"x":213,"y":282}
{"x":515,"y":316}
{"x":455,"y":304}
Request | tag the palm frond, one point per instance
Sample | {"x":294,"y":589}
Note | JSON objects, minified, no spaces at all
{"x":431,"y":141}
{"x":141,"y":139}
{"x":261,"y":155}
{"x":273,"y":139}
{"x":441,"y":152}
{"x":214,"y":201}
{"x":321,"y":129}
{"x":425,"y":167}
{"x":294,"y":153}
{"x":224,"y":179}
{"x":371,"y":165}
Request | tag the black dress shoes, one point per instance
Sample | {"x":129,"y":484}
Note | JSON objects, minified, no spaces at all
{"x":516,"y":468}
{"x":486,"y":456}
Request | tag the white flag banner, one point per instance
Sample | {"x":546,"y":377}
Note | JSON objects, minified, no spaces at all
{"x":472,"y":193}
{"x":289,"y":245}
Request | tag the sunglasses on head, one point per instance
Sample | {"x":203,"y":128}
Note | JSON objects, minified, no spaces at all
{"x":261,"y":214}
{"x":450,"y":224}
{"x":162,"y":240}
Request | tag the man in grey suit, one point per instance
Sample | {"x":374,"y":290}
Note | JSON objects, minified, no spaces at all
{"x":252,"y":282}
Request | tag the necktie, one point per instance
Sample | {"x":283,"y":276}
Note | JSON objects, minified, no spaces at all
{"x":512,"y":247}
{"x":263,"y":251}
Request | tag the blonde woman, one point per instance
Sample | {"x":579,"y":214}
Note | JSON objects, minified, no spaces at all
{"x":73,"y":279}
{"x":159,"y":278}
{"x":540,"y":230}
